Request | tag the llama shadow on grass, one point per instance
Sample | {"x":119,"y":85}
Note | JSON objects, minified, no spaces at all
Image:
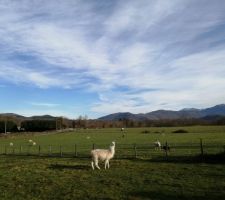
{"x":70,"y":167}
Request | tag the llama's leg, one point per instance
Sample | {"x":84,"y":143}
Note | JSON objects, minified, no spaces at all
{"x":92,"y":165}
{"x":108,"y":164}
{"x":106,"y":161}
{"x":96,"y":164}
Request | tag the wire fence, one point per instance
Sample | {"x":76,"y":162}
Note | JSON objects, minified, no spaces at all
{"x":122,"y":150}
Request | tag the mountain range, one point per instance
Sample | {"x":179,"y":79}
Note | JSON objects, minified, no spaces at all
{"x":186,"y":113}
{"x":22,"y":118}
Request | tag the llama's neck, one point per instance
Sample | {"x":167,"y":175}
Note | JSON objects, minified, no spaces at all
{"x":112,"y":149}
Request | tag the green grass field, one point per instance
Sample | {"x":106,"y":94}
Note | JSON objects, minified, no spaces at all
{"x":84,"y":140}
{"x":179,"y":177}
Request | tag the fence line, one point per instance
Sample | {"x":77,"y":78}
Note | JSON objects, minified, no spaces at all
{"x":122,"y":150}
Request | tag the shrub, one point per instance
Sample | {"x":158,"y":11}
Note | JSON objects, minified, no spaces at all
{"x":180,"y":131}
{"x":145,"y":131}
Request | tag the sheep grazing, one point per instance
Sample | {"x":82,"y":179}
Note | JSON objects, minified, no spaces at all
{"x":157,"y":144}
{"x":102,"y":155}
{"x":123,"y":131}
{"x":11,"y":144}
{"x":30,"y":141}
{"x":34,"y":143}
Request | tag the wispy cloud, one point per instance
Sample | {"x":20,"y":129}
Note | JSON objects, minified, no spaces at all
{"x":135,"y":55}
{"x":42,"y":104}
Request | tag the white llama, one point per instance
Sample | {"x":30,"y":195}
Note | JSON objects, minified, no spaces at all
{"x":102,"y":155}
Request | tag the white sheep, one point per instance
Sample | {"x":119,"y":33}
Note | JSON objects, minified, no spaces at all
{"x":11,"y":144}
{"x":30,"y":141}
{"x":157,"y":144}
{"x":34,"y":143}
{"x":103,"y":155}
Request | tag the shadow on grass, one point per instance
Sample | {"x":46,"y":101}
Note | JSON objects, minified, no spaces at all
{"x":34,"y":156}
{"x":75,"y":167}
{"x":207,"y":158}
{"x":162,"y":196}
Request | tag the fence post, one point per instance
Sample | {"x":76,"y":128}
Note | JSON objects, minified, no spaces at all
{"x":61,"y":154}
{"x":201,"y":147}
{"x":135,"y":150}
{"x":166,"y":150}
{"x":39,"y":150}
{"x":93,"y":146}
{"x":50,"y":150}
{"x":5,"y":150}
{"x":20,"y":149}
{"x":28,"y":150}
{"x":75,"y":150}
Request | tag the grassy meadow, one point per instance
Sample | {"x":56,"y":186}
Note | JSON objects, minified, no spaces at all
{"x":101,"y":138}
{"x":146,"y":177}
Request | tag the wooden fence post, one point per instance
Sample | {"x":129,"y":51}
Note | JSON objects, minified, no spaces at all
{"x":20,"y":149}
{"x":93,"y":146}
{"x":39,"y":150}
{"x":5,"y":150}
{"x":166,"y":150}
{"x":28,"y":150}
{"x":135,"y":150}
{"x":75,"y":150}
{"x":61,"y":153}
{"x":201,"y":147}
{"x":50,"y":150}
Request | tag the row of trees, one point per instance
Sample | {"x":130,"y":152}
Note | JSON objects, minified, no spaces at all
{"x":8,"y":126}
{"x":59,"y":123}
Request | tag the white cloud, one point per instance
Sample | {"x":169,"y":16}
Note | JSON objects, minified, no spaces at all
{"x":195,"y":80}
{"x":136,"y":45}
{"x":44,"y":104}
{"x":23,"y":75}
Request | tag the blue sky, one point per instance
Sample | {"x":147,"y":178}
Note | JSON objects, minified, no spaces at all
{"x":94,"y":57}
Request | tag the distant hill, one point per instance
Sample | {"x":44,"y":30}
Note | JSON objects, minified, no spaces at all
{"x":125,"y":115}
{"x":42,"y":117}
{"x":187,"y":113}
{"x":13,"y":115}
{"x":21,"y":117}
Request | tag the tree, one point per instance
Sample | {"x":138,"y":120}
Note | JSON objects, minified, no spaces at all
{"x":38,"y":125}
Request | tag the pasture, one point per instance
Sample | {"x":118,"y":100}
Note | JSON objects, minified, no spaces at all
{"x":183,"y":175}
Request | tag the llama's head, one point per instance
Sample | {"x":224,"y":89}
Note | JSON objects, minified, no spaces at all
{"x":113,"y":143}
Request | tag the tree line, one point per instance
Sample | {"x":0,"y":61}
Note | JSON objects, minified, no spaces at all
{"x":61,"y":123}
